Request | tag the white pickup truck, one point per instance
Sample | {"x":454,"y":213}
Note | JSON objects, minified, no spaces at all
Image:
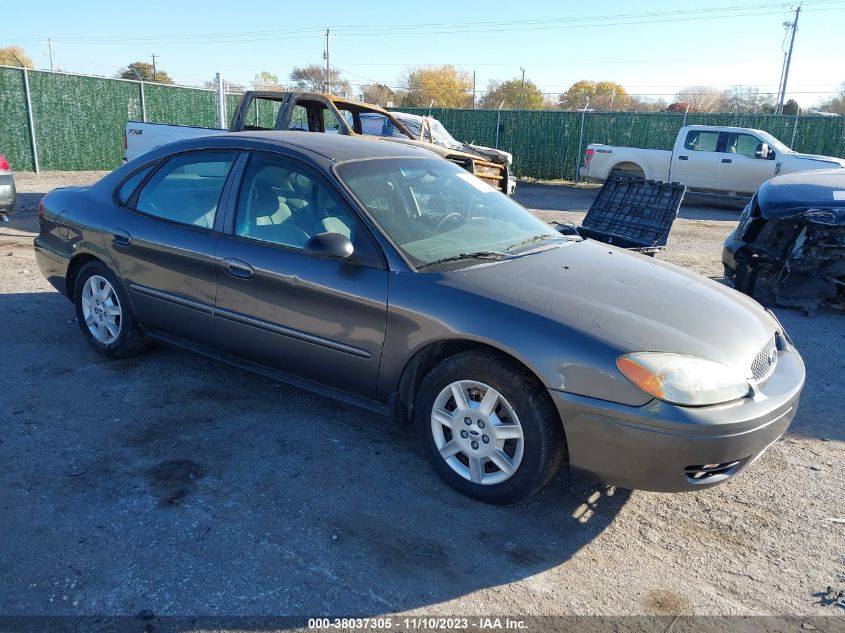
{"x":708,"y":159}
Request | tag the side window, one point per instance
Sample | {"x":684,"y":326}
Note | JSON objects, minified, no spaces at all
{"x":187,"y":188}
{"x":330,"y":122}
{"x":299,"y":118}
{"x":261,"y":114}
{"x":285,"y":205}
{"x":128,"y":187}
{"x":744,"y":144}
{"x":701,"y":141}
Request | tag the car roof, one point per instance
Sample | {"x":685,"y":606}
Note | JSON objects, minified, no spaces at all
{"x":818,"y":189}
{"x":334,"y":147}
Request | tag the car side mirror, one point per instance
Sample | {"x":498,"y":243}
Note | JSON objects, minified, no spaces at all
{"x":329,"y":246}
{"x":762,"y":151}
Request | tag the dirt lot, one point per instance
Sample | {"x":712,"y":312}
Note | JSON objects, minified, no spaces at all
{"x":175,"y":485}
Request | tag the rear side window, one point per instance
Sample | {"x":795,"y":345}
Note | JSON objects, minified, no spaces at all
{"x":128,"y":187}
{"x":700,"y":141}
{"x":187,"y":188}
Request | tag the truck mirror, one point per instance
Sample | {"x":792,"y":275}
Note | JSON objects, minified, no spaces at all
{"x":762,"y":151}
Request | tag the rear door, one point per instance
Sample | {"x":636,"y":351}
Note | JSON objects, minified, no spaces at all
{"x":740,"y":170}
{"x":164,"y":244}
{"x":318,"y":319}
{"x":696,"y":163}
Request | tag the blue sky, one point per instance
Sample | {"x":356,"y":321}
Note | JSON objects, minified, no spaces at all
{"x":651,"y":48}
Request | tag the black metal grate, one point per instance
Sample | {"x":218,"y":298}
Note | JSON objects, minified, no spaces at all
{"x":764,"y":363}
{"x":633,"y":213}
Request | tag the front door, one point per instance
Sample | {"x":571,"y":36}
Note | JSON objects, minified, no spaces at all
{"x":164,"y":242}
{"x":740,"y":170}
{"x":321,"y":320}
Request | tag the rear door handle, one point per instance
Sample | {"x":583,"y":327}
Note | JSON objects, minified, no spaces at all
{"x":683,"y":157}
{"x":727,"y":160}
{"x":238,"y":268}
{"x":121,"y":238}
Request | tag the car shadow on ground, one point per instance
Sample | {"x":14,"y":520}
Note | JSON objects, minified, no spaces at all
{"x":169,"y":483}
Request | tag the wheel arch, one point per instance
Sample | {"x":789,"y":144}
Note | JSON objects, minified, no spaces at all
{"x":430,"y":355}
{"x":76,"y":263}
{"x":629,"y":166}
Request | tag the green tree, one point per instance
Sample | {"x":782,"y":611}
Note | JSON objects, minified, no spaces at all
{"x":144,"y":72}
{"x":596,"y":95}
{"x":510,"y":94}
{"x":14,"y":56}
{"x":447,"y":86}
{"x":313,"y":79}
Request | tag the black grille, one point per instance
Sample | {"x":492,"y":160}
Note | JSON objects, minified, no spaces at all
{"x":764,"y":363}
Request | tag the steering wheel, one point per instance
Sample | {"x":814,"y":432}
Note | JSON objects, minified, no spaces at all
{"x":454,"y":215}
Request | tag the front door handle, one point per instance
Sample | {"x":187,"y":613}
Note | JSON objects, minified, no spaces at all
{"x":238,"y":268}
{"x":121,"y":238}
{"x":683,"y":157}
{"x":727,"y":160}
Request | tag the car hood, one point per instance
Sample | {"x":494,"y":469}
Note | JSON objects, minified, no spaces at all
{"x":628,"y":301}
{"x":792,"y":194}
{"x":818,"y":158}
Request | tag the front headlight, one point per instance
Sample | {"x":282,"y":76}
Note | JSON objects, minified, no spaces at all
{"x":683,"y":379}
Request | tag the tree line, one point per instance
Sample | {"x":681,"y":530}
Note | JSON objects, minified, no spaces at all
{"x":450,"y":87}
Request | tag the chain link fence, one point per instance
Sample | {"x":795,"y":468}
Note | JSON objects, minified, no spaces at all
{"x":59,"y":121}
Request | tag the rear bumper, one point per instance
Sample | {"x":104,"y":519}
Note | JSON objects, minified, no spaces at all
{"x":667,"y":448}
{"x":8,"y":193}
{"x":53,"y":265}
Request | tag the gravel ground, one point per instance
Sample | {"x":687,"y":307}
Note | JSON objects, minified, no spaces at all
{"x":172,"y":484}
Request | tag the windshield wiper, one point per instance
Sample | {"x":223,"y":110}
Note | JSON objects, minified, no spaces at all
{"x":492,"y":255}
{"x":535,"y":238}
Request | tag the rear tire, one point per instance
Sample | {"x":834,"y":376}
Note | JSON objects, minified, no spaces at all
{"x":488,"y":427}
{"x":102,"y":310}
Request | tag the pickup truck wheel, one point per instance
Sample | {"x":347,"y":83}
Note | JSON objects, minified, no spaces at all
{"x":488,"y":427}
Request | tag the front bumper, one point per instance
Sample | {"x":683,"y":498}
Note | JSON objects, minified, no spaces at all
{"x":669,"y":448}
{"x":8,"y":194}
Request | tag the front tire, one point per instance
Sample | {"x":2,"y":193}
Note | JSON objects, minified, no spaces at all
{"x":103,"y":313}
{"x":488,"y":427}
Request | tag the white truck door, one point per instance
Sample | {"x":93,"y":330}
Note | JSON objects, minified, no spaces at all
{"x":740,"y":170}
{"x":696,"y":161}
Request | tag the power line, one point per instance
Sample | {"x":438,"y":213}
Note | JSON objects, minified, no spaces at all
{"x":732,"y":11}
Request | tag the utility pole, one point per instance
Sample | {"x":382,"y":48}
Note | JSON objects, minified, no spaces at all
{"x":794,"y":27}
{"x":154,"y":67}
{"x":328,"y":67}
{"x":473,"y":90}
{"x":50,"y":49}
{"x":522,"y":92}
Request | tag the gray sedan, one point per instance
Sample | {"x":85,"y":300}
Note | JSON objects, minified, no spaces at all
{"x":388,"y":278}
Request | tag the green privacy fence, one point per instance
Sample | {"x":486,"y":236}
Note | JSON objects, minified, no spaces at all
{"x":77,"y":123}
{"x":77,"y":120}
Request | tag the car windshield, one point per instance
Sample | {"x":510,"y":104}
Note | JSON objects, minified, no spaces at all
{"x":433,"y":210}
{"x":435,"y":133}
{"x":773,"y":142}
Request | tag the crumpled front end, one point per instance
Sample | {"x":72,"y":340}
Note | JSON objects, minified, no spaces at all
{"x":795,"y":260}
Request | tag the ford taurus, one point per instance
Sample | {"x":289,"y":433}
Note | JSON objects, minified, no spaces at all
{"x":386,"y":277}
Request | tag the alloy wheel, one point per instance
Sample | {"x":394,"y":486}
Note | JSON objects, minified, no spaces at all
{"x":477,"y":432}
